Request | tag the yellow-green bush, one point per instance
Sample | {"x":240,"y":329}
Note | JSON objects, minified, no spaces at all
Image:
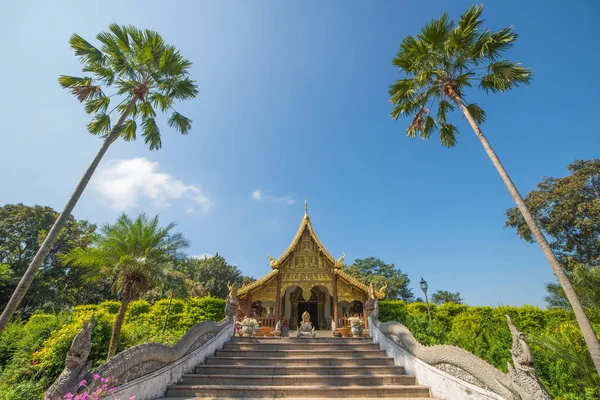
{"x":562,"y":359}
{"x":32,"y":354}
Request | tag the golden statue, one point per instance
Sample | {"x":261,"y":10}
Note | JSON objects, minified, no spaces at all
{"x":305,"y":317}
{"x":340,"y":260}
{"x":371,"y":291}
{"x":272,"y":261}
{"x":382,"y":290}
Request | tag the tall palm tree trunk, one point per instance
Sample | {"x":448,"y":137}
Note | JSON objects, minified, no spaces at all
{"x":116,"y":331}
{"x":583,"y":321}
{"x":59,"y":224}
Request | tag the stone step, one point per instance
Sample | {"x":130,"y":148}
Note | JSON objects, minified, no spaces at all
{"x":300,"y":353}
{"x":300,"y":346}
{"x":312,"y":391}
{"x":287,"y":398}
{"x":270,"y":339}
{"x":301,"y":361}
{"x":303,"y":380}
{"x":298,"y":370}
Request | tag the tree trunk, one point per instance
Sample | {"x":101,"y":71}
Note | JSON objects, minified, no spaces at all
{"x":59,"y":224}
{"x":584,"y":323}
{"x":116,"y":331}
{"x":167,"y":316}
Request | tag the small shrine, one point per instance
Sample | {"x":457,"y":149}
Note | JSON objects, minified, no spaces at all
{"x":306,"y":279}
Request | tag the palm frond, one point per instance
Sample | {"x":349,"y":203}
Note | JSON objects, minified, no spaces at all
{"x":436,"y":32}
{"x":68,"y":82}
{"x":443,"y":107}
{"x":129,"y":130}
{"x":181,"y":123}
{"x":151,"y":134}
{"x":448,"y":133}
{"x":97,"y":105}
{"x":477,"y":113}
{"x":100,"y":124}
{"x":505,"y":75}
{"x":83,"y":49}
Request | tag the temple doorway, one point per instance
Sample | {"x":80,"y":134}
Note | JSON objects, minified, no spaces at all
{"x":311,"y":307}
{"x":316,"y":301}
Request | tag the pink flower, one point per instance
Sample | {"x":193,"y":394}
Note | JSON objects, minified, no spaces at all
{"x":132,"y":398}
{"x":68,"y":396}
{"x":96,"y":377}
{"x":105,"y":380}
{"x":82,"y":383}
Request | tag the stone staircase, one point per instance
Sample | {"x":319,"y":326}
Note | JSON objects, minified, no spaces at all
{"x":292,"y":368}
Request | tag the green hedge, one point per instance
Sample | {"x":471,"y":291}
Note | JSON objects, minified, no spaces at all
{"x":562,"y":359}
{"x":32,"y":353}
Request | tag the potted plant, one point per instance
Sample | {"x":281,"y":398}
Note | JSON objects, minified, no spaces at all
{"x":248,"y":326}
{"x":356,"y":326}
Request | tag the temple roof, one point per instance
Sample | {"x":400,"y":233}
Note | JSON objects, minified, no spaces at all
{"x":306,"y":224}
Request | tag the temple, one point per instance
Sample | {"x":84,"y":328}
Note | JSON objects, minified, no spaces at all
{"x":306,"y":278}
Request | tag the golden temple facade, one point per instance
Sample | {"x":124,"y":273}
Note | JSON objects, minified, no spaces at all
{"x":305,"y":278}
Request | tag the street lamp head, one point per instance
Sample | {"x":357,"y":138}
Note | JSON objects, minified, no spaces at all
{"x":423,"y":284}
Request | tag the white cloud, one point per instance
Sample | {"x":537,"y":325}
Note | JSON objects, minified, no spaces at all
{"x":123,"y":183}
{"x":202,"y":256}
{"x":258,"y":195}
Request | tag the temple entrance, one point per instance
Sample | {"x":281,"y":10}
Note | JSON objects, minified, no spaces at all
{"x":312,"y":310}
{"x":316,"y":302}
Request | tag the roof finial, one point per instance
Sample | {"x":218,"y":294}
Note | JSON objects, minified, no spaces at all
{"x":305,"y":207}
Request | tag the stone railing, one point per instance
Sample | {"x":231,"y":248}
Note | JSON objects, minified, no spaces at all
{"x":149,"y":368}
{"x":454,"y":373}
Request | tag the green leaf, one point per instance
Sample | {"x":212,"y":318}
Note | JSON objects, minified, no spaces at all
{"x":161,"y":101}
{"x":88,"y":54}
{"x":477,"y":113}
{"x":443,"y":107}
{"x":436,"y":32}
{"x":448,"y":135}
{"x":100,"y":124}
{"x":181,"y":123}
{"x":151,"y":134}
{"x":429,"y":126}
{"x":129,"y":130}
{"x":146,"y":109}
{"x":505,"y":75}
{"x":68,"y":82}
{"x":100,"y":104}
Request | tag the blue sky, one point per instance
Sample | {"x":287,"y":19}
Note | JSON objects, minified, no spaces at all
{"x":293,"y":103}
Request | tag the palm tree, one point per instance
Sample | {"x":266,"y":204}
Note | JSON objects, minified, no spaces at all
{"x":439,"y":64}
{"x":146,"y":73}
{"x":136,"y":254}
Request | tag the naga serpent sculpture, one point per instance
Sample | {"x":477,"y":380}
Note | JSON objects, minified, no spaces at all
{"x":521,"y":382}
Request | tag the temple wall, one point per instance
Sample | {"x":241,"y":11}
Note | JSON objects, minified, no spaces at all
{"x":443,"y":386}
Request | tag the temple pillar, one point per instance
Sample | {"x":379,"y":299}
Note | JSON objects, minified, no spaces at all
{"x":278,"y":299}
{"x":366,"y":319}
{"x":249,"y":305}
{"x":335,"y":299}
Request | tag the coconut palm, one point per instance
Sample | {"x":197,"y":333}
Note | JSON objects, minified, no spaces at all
{"x":135,"y":254}
{"x":145,"y":74}
{"x":438,"y":66}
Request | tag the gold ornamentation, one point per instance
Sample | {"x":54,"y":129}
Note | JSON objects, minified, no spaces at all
{"x":272,"y":261}
{"x":340,"y":261}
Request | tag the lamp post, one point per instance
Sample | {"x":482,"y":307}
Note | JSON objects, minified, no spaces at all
{"x":424,"y":287}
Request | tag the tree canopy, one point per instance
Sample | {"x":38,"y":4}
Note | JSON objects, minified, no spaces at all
{"x":441,"y":62}
{"x":444,"y":296}
{"x":145,"y":72}
{"x":22,"y":229}
{"x":213,"y":273}
{"x":568,"y":211}
{"x":376,"y":271}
